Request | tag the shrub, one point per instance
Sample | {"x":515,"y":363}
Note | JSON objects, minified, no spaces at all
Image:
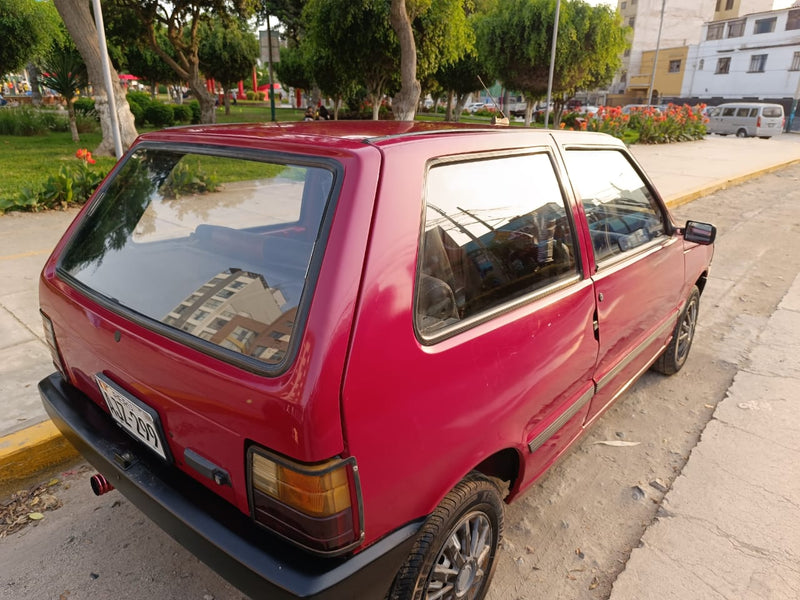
{"x":194,"y":106}
{"x":260,"y":96}
{"x":159,"y":115}
{"x":27,"y":121}
{"x":143,"y":99}
{"x":85,"y":107}
{"x":250,"y":95}
{"x":182,"y":113}
{"x":138,"y":113}
{"x":188,"y":178}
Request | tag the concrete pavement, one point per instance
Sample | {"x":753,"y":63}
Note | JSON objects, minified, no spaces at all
{"x":763,"y":558}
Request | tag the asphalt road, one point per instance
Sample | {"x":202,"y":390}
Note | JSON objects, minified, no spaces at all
{"x":570,"y":535}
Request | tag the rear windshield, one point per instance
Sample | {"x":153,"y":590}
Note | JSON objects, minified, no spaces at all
{"x":772,"y":111}
{"x":215,"y":246}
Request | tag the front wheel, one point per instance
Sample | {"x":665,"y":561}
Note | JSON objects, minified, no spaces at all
{"x":454,"y":555}
{"x":674,"y":357}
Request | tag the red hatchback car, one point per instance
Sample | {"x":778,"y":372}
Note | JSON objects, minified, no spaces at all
{"x":321,"y":355}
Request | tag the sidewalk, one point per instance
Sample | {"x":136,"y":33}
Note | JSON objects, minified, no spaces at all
{"x":728,"y":529}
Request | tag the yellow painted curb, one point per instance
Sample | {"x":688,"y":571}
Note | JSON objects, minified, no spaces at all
{"x":26,"y":452}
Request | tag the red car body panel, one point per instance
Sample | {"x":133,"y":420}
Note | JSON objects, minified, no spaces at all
{"x":417,"y":416}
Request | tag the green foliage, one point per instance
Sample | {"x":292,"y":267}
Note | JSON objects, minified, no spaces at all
{"x":250,"y":95}
{"x":143,"y":99}
{"x":64,"y":71}
{"x":228,"y":51}
{"x":27,"y":28}
{"x":138,"y":113}
{"x":648,"y":126}
{"x":27,"y":121}
{"x":73,"y":184}
{"x":159,"y":115}
{"x":194,"y":106}
{"x":293,"y":70}
{"x":188,"y":178}
{"x":85,"y":106}
{"x":182,"y":113}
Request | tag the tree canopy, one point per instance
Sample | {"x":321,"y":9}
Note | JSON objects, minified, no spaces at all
{"x":27,"y":28}
{"x":228,"y":52}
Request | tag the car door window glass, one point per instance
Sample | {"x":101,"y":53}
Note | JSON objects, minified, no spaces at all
{"x":495,"y":230}
{"x":621,"y":211}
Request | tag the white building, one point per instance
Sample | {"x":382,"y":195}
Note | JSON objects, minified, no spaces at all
{"x":755,"y":56}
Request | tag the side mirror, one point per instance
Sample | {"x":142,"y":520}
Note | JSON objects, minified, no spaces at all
{"x":699,"y":233}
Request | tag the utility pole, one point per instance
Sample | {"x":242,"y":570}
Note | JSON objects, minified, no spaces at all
{"x":112,"y":104}
{"x":552,"y":66}
{"x":655,"y":57}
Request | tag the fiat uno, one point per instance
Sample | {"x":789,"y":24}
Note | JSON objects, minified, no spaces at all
{"x":322,"y":355}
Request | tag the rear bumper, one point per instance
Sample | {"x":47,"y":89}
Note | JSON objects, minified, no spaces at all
{"x":256,"y":562}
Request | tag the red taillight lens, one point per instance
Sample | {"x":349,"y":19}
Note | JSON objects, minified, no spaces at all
{"x":315,"y":506}
{"x":50,"y":338}
{"x":758,"y":122}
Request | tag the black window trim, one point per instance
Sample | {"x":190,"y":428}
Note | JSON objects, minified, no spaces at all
{"x":564,"y":282}
{"x":246,"y":363}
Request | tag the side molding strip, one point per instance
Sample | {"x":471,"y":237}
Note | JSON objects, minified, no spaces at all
{"x":551,"y":429}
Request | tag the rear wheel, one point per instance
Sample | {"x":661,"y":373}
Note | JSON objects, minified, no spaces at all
{"x":454,"y":556}
{"x":674,"y":357}
{"x":741,"y":133}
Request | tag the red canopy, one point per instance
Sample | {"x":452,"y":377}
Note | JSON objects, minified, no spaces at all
{"x":265,"y":87}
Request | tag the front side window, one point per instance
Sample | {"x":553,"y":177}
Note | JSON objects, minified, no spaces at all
{"x":620,"y":209}
{"x":214,"y":246}
{"x":765,"y":25}
{"x":723,"y":65}
{"x":495,"y":230}
{"x":758,"y":63}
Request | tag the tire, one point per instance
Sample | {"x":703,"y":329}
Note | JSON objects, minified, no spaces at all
{"x":674,"y":357}
{"x":741,"y":133}
{"x":448,"y":561}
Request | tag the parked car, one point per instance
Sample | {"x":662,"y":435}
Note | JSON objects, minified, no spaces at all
{"x":325,"y":371}
{"x":476,"y":106}
{"x":747,"y":119}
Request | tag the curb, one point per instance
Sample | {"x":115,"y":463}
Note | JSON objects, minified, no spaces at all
{"x":26,"y":452}
{"x":725,"y":183}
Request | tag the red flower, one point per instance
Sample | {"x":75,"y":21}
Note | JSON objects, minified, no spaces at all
{"x":84,"y":154}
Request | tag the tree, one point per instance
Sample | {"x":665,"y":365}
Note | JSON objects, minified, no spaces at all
{"x":81,"y":26}
{"x":289,"y":13}
{"x":227,"y":54}
{"x":358,"y":34}
{"x":27,"y":27}
{"x":64,"y":72}
{"x":181,"y":20}
{"x":460,"y":79}
{"x":404,"y":104}
{"x":515,"y":39}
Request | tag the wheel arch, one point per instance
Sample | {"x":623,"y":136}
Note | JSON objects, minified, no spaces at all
{"x":504,"y":465}
{"x":701,"y":281}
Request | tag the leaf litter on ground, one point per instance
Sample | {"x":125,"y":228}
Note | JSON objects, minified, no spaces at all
{"x":27,"y":506}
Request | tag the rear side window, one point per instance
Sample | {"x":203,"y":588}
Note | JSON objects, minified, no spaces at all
{"x":772,"y":111}
{"x":214,"y":246}
{"x":743,"y":112}
{"x":495,"y":230}
{"x":621,"y":211}
{"x":728,"y":112}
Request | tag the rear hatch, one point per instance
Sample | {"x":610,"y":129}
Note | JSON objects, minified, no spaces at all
{"x":180,"y":304}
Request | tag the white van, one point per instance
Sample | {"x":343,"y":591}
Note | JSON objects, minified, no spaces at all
{"x":746,"y":119}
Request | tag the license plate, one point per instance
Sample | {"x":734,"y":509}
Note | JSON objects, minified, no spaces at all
{"x":133,"y":415}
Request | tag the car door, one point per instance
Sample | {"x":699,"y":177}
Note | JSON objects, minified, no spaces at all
{"x":638,"y":270}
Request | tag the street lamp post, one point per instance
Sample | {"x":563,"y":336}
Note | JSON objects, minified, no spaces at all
{"x":552,"y":66}
{"x":655,"y":57}
{"x":112,"y":104}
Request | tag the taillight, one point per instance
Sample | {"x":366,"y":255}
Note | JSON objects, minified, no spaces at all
{"x":50,"y":338}
{"x":758,"y":121}
{"x":315,"y":506}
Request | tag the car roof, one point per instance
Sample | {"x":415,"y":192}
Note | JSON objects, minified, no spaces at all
{"x":354,"y":134}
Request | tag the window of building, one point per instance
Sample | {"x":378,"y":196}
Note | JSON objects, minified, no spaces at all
{"x":200,"y":315}
{"x":715,"y":31}
{"x":736,"y":28}
{"x":765,"y":25}
{"x":758,"y":63}
{"x":728,"y":4}
{"x":795,"y":62}
{"x":701,"y":64}
{"x":631,"y":21}
{"x":627,"y":52}
{"x":675,"y":66}
{"x":719,"y":3}
{"x":723,"y":65}
{"x":490,"y":237}
{"x":793,"y":19}
{"x":624,"y":5}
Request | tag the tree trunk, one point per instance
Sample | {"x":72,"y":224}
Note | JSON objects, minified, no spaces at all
{"x":528,"y":112}
{"x":404,"y":104}
{"x":33,"y":76}
{"x":449,"y":111}
{"x":375,"y":98}
{"x":73,"y":125}
{"x":81,"y":26}
{"x":461,"y":100}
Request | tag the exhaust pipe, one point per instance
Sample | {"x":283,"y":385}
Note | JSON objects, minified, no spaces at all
{"x":100,"y":485}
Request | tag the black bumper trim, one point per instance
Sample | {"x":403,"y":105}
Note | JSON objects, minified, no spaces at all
{"x":259,"y":564}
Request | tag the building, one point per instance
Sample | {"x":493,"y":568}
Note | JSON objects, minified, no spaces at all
{"x":673,"y":27}
{"x":755,"y":57}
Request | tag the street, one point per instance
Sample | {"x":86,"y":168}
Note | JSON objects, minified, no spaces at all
{"x":566,"y":538}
